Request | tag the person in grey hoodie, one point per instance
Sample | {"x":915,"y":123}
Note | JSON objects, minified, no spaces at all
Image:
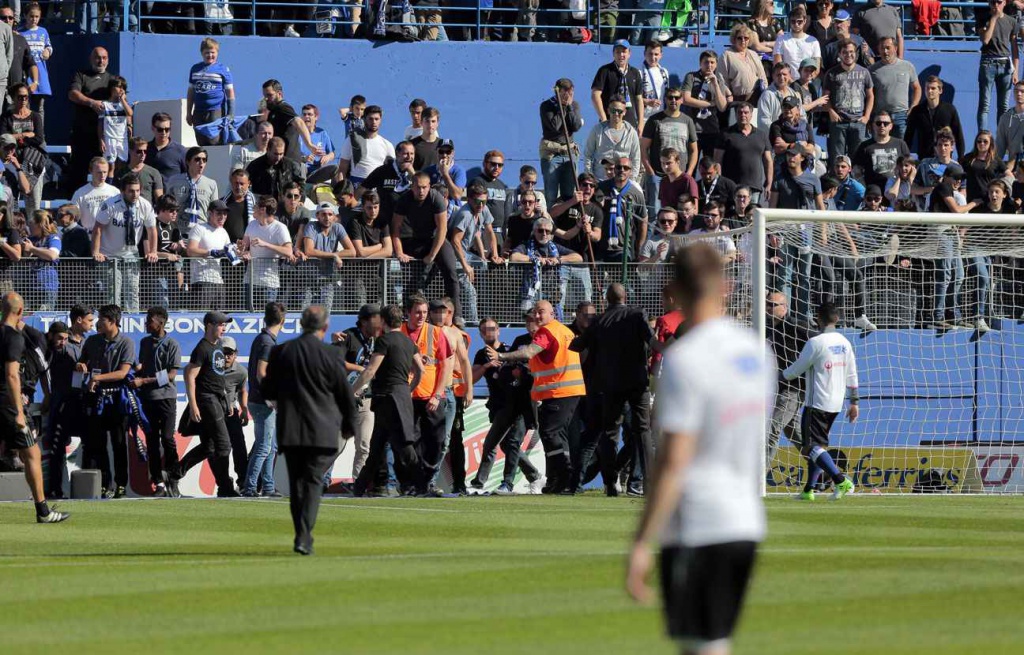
{"x":612,"y":139}
{"x":1010,"y":133}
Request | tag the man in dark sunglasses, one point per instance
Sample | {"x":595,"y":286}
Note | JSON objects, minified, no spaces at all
{"x":193,"y":190}
{"x":875,"y":159}
{"x":625,"y":215}
{"x":499,"y":197}
{"x":150,"y":178}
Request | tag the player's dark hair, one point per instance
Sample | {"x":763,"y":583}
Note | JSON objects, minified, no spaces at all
{"x":698,"y":272}
{"x":273,"y":314}
{"x":129,"y":179}
{"x":79,"y":311}
{"x":158,"y":312}
{"x":166,"y":203}
{"x":194,"y":152}
{"x":357,"y":100}
{"x":373,"y":109}
{"x":368,"y":311}
{"x":110,"y":312}
{"x":828,"y":314}
{"x":393,"y":316}
{"x":272,"y":84}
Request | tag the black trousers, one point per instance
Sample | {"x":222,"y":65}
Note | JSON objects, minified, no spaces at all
{"x":508,"y":427}
{"x":104,"y":428}
{"x":393,"y":423}
{"x":306,"y":468}
{"x":239,"y":453}
{"x":637,"y":436}
{"x":456,"y":448}
{"x":445,"y":263}
{"x":430,"y":427}
{"x":66,"y":420}
{"x":553,"y":417}
{"x":214,"y":442}
{"x":160,"y":436}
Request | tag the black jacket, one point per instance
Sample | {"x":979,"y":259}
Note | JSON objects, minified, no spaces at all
{"x":923,"y":123}
{"x":551,"y":120}
{"x":307,"y":379}
{"x":787,"y":340}
{"x":270,"y":179}
{"x":618,"y":347}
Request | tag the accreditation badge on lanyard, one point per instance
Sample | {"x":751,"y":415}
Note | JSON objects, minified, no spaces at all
{"x":624,"y":87}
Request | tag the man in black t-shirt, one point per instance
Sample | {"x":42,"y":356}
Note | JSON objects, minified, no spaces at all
{"x":287,"y":123}
{"x":426,"y":144}
{"x":395,"y":357}
{"x":618,"y":79}
{"x":206,"y":389}
{"x":419,"y":230}
{"x":508,"y":395}
{"x":106,"y":358}
{"x":391,"y":179}
{"x":579,"y":220}
{"x":357,"y":346}
{"x":14,"y":427}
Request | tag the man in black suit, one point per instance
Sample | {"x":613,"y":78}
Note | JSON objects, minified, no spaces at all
{"x":618,"y":347}
{"x":306,"y":379}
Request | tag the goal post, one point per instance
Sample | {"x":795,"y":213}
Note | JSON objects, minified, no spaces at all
{"x":932,"y":304}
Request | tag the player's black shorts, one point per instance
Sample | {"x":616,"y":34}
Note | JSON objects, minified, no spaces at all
{"x":12,"y":437}
{"x":815,"y":425}
{"x":704,"y":587}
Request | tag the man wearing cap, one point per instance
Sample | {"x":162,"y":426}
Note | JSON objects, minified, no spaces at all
{"x":830,"y":52}
{"x":949,"y":268}
{"x":156,"y":371}
{"x":306,"y":379}
{"x":419,"y":231}
{"x":208,"y":243}
{"x":877,"y":20}
{"x":235,"y":379}
{"x":426,"y":143}
{"x":850,"y":191}
{"x":897,"y":90}
{"x":447,"y":172}
{"x":555,"y":162}
{"x":875,"y":159}
{"x":125,"y":225}
{"x":769,"y":107}
{"x":206,"y":390}
{"x":619,"y":79}
{"x":326,"y":241}
{"x":851,"y":98}
{"x":270,"y":173}
{"x":391,"y":179}
{"x":193,"y":190}
{"x":790,"y":128}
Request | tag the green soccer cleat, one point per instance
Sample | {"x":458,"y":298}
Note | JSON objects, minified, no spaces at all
{"x":843,"y":488}
{"x":804,"y":495}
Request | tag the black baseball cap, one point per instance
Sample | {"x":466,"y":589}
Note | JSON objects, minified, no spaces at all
{"x":217,"y":318}
{"x":873,"y":191}
{"x":437,"y":304}
{"x":217,"y":206}
{"x":445,"y":144}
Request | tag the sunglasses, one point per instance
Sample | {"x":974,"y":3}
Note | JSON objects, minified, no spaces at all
{"x":589,"y":314}
{"x":162,"y":130}
{"x":616,"y":112}
{"x":478,"y":201}
{"x":666,"y":222}
{"x":673,"y":97}
{"x":588,"y":185}
{"x":529,"y":182}
{"x":620,"y":167}
{"x":883,"y":123}
{"x":742,"y":38}
{"x":8,"y":18}
{"x":541,"y":230}
{"x":22,"y":96}
{"x":201,"y":160}
{"x":496,"y":164}
{"x":529,"y":202}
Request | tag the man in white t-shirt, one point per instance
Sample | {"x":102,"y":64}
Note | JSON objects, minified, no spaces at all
{"x":123,"y":223}
{"x":793,"y":48}
{"x":208,"y":243}
{"x":90,"y":197}
{"x":704,"y":501}
{"x":830,"y":371}
{"x":364,"y":150}
{"x":266,"y":239}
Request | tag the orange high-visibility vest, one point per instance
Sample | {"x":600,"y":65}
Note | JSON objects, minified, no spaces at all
{"x":459,"y":385}
{"x":563,"y":377}
{"x":427,"y":345}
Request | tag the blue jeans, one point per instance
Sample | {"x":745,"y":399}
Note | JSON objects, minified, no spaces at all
{"x":981,"y":267}
{"x":899,"y":123}
{"x":559,"y":178}
{"x":798,"y":264}
{"x":998,"y":72}
{"x":470,"y":312}
{"x":264,"y":449}
{"x":652,"y":183}
{"x":645,"y":16}
{"x":579,"y":274}
{"x":949,"y":277}
{"x":844,"y":138}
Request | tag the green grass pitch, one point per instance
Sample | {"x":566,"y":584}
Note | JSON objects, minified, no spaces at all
{"x":492,"y":576}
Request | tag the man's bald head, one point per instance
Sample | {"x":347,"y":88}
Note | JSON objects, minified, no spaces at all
{"x":12,"y":304}
{"x":100,"y":59}
{"x":544,"y":312}
{"x":314,"y":319}
{"x":778,"y":305}
{"x":616,"y":294}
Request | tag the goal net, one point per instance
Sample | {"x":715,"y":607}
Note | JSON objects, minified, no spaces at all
{"x":934,"y":307}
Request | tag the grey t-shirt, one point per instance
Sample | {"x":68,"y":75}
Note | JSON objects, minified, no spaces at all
{"x":234,"y":379}
{"x":105,"y":356}
{"x":999,"y":44}
{"x":848,"y":90}
{"x":158,"y":355}
{"x":667,"y":132}
{"x":892,"y":85}
{"x":876,"y":22}
{"x":464,"y":221}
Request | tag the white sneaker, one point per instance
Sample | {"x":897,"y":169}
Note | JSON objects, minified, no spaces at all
{"x":676,"y":43}
{"x":863,"y":323}
{"x":290,"y":32}
{"x":537,"y":485}
{"x":981,"y":326}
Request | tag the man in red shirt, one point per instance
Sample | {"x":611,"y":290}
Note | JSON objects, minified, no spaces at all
{"x":665,"y":328}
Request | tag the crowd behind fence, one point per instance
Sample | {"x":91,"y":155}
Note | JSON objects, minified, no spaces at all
{"x":678,"y":23}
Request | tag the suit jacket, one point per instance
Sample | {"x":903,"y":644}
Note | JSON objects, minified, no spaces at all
{"x":618,"y":346}
{"x":307,"y":379}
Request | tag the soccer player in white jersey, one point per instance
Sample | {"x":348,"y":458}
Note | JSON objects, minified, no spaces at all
{"x":704,"y":501}
{"x":830,"y":368}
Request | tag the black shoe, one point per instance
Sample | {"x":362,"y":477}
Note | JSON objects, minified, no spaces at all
{"x":53,"y":517}
{"x":55,"y":495}
{"x":172,"y":489}
{"x":635,"y":490}
{"x":228,"y":493}
{"x":358,"y":489}
{"x":107,"y":494}
{"x":272,"y":494}
{"x":120,"y":493}
{"x":460,"y":491}
{"x":303,"y":549}
{"x":612,"y":491}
